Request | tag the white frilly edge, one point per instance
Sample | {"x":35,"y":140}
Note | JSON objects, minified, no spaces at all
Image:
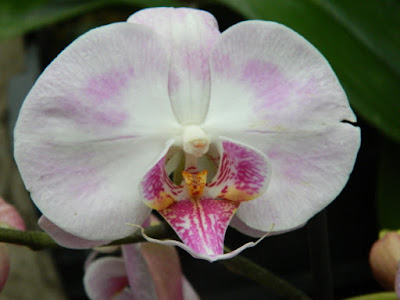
{"x":199,"y":255}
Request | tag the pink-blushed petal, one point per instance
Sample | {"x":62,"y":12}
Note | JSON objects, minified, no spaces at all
{"x":88,"y":130}
{"x":191,"y":34}
{"x":10,"y":216}
{"x":4,"y":265}
{"x":139,"y":276}
{"x":309,"y":169}
{"x":272,"y":90}
{"x":267,"y":78}
{"x":157,"y":189}
{"x":66,"y":239}
{"x":195,"y":254}
{"x":105,"y":278}
{"x":188,"y":291}
{"x":165,"y":268}
{"x":243,"y":173}
{"x":201,"y":223}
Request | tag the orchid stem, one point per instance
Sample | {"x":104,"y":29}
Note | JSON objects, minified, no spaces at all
{"x":245,"y":267}
{"x":38,"y":240}
{"x":35,"y":240}
{"x":320,"y":257}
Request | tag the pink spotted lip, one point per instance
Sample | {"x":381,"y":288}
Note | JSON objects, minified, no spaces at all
{"x":200,"y":212}
{"x":201,"y":224}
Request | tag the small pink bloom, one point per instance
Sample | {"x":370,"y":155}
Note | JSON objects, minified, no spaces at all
{"x":145,"y":271}
{"x":251,"y":123}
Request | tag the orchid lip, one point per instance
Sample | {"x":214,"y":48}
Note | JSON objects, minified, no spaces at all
{"x":198,"y":209}
{"x":201,"y":223}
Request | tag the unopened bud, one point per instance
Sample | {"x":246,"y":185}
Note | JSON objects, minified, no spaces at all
{"x":384,"y":258}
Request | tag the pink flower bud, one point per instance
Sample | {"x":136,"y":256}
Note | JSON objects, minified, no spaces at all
{"x":384,"y":258}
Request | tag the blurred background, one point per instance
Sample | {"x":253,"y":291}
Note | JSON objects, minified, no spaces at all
{"x":361,"y":40}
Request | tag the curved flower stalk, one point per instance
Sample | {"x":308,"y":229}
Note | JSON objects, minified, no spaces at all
{"x":164,"y":112}
{"x":146,"y":271}
{"x":9,"y":218}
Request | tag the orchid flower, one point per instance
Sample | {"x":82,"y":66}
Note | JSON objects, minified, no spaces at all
{"x":251,"y":124}
{"x":147,"y":271}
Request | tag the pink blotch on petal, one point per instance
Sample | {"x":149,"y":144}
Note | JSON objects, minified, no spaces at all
{"x":107,"y":86}
{"x":86,"y":114}
{"x":268,"y":83}
{"x":98,"y":100}
{"x":201,"y":224}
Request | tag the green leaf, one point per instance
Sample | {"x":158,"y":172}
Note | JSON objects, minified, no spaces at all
{"x":20,"y":17}
{"x":388,"y":187}
{"x":360,"y":39}
{"x":376,"y":296}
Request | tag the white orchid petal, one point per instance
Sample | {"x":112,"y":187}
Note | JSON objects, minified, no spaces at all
{"x":273,"y":90}
{"x":267,"y":78}
{"x":89,"y":129}
{"x":309,"y":169}
{"x":190,"y":34}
